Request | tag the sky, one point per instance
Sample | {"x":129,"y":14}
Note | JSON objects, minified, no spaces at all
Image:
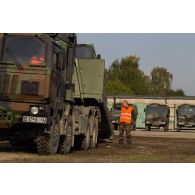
{"x":176,"y":52}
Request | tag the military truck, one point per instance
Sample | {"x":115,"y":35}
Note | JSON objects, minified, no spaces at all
{"x":185,"y":116}
{"x":115,"y":115}
{"x":51,"y":92}
{"x":157,"y":115}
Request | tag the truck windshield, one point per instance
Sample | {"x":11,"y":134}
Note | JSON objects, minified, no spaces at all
{"x":184,"y":110}
{"x":26,"y":50}
{"x":157,"y":110}
{"x":84,"y":52}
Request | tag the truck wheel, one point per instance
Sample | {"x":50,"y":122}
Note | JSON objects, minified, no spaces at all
{"x":147,"y":127}
{"x":94,"y":137}
{"x":47,"y":143}
{"x":178,"y":128}
{"x":166,"y":128}
{"x":66,"y":141}
{"x":86,"y":140}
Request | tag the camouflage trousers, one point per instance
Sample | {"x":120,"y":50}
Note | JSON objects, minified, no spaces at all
{"x":125,"y":133}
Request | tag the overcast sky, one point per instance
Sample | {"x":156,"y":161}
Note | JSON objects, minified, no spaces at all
{"x":176,"y":52}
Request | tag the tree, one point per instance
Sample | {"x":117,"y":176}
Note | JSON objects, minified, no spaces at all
{"x":116,"y":87}
{"x":161,"y":81}
{"x":125,"y":78}
{"x":178,"y":92}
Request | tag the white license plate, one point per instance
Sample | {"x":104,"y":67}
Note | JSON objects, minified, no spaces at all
{"x":33,"y":119}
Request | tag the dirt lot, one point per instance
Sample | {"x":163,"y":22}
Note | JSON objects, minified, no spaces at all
{"x":154,"y":146}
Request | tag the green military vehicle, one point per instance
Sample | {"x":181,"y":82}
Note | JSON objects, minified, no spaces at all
{"x":115,"y":115}
{"x":51,"y":93}
{"x":185,"y":116}
{"x":157,"y":115}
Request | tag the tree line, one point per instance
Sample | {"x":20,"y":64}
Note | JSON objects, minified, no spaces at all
{"x":124,"y":77}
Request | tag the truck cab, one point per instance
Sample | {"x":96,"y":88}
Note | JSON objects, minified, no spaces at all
{"x":51,"y":92}
{"x":157,"y":115}
{"x":185,"y":116}
{"x":33,"y":74}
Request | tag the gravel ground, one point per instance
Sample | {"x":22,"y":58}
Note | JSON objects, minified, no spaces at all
{"x":154,"y":146}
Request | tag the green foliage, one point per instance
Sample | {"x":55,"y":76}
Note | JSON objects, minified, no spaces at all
{"x":161,"y":81}
{"x":178,"y":92}
{"x":124,"y":77}
{"x":116,"y":87}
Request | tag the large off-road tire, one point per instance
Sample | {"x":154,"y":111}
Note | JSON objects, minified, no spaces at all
{"x":86,"y":140}
{"x":94,"y":136}
{"x":148,"y":127}
{"x":47,"y":143}
{"x":166,"y":128}
{"x":66,"y":140}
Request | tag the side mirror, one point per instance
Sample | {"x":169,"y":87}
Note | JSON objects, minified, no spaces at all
{"x":98,"y":56}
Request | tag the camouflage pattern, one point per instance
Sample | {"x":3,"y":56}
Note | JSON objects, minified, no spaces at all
{"x":185,"y":116}
{"x":125,"y":133}
{"x":67,"y":91}
{"x":157,"y":115}
{"x":25,"y":86}
{"x":16,"y":87}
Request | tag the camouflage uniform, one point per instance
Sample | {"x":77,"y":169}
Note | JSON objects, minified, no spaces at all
{"x":125,"y":133}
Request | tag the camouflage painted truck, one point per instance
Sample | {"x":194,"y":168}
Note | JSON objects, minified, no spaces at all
{"x":51,"y":93}
{"x":185,"y":116}
{"x":157,"y":115}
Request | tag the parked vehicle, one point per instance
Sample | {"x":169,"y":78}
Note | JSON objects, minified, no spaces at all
{"x":185,"y":116}
{"x":51,"y":92}
{"x":157,"y":115}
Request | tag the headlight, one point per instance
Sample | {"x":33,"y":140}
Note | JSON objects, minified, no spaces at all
{"x":34,"y":110}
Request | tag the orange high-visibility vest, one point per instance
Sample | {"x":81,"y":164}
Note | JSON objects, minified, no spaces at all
{"x":126,"y":115}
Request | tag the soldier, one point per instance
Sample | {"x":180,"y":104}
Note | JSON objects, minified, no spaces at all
{"x":126,"y":123}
